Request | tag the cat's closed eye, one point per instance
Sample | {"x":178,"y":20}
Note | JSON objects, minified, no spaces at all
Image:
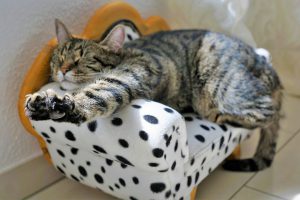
{"x":76,"y":62}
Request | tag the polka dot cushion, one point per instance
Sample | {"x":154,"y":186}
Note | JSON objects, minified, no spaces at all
{"x":146,"y":151}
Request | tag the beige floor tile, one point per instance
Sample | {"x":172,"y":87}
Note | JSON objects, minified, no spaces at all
{"x":68,"y":189}
{"x":291,"y":111}
{"x":284,"y":136}
{"x":27,"y":178}
{"x":221,"y":185}
{"x":250,"y":194}
{"x":283,"y":178}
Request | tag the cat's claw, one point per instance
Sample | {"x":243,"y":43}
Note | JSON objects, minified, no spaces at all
{"x":48,"y":105}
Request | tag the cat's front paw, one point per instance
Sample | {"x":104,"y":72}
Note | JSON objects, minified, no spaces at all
{"x":35,"y":106}
{"x":48,"y":105}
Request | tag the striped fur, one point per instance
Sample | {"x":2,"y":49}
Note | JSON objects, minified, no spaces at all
{"x":221,"y":78}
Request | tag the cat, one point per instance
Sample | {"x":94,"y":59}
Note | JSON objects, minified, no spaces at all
{"x":222,"y":78}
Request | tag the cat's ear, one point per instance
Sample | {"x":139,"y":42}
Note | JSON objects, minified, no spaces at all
{"x":115,"y":39}
{"x":62,"y":33}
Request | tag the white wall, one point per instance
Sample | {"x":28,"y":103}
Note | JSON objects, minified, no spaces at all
{"x":25,"y":27}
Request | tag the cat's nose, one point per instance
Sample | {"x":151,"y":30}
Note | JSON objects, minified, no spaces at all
{"x":65,"y":68}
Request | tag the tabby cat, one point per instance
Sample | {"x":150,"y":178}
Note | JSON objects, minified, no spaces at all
{"x":221,"y":78}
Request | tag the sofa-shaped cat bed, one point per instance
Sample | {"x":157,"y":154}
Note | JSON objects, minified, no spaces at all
{"x":147,"y":150}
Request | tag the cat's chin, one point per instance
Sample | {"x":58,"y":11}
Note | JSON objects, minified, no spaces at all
{"x":66,"y":85}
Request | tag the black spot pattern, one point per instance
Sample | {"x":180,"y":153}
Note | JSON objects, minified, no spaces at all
{"x":98,"y":178}
{"x":143,"y":135}
{"x":200,"y":138}
{"x":109,"y":162}
{"x":176,"y":146}
{"x":226,"y":149}
{"x":45,"y":135}
{"x":75,"y":178}
{"x":168,"y":194}
{"x":117,"y":121}
{"x":70,"y":136}
{"x":169,"y":141}
{"x":223,"y":127}
{"x":177,"y":187}
{"x":136,"y":106}
{"x":123,"y":160}
{"x":74,"y":151}
{"x":157,"y":187}
{"x":221,"y":142}
{"x":203,"y":161}
{"x":240,"y":138}
{"x":153,"y":164}
{"x":103,"y":170}
{"x":92,"y":126}
{"x":212,"y":146}
{"x":192,"y":161}
{"x":205,"y":127}
{"x":122,"y":182}
{"x":52,"y":129}
{"x":182,"y":155}
{"x":197,"y":177}
{"x":82,"y":171}
{"x":129,"y":37}
{"x":189,"y":181}
{"x":99,"y":149}
{"x":157,"y":152}
{"x":173,"y":165}
{"x":230,"y":135}
{"x":59,"y":169}
{"x":151,"y":119}
{"x":123,"y":165}
{"x":135,"y":180}
{"x":123,"y":143}
{"x":169,"y":110}
{"x":60,"y":153}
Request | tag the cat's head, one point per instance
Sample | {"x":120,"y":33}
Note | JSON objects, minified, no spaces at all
{"x":78,"y":61}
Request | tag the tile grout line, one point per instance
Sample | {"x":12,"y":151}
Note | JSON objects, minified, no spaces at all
{"x":273,"y":195}
{"x":245,"y":184}
{"x":288,"y":141}
{"x":242,"y":186}
{"x":43,"y":188}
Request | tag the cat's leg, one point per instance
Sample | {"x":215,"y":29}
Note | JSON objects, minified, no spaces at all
{"x":265,"y":151}
{"x":259,"y":112}
{"x":266,"y":148}
{"x":101,"y":98}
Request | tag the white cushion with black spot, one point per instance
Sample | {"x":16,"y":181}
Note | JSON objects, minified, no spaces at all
{"x":146,"y":151}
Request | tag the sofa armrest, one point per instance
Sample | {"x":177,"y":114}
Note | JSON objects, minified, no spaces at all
{"x":145,"y":134}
